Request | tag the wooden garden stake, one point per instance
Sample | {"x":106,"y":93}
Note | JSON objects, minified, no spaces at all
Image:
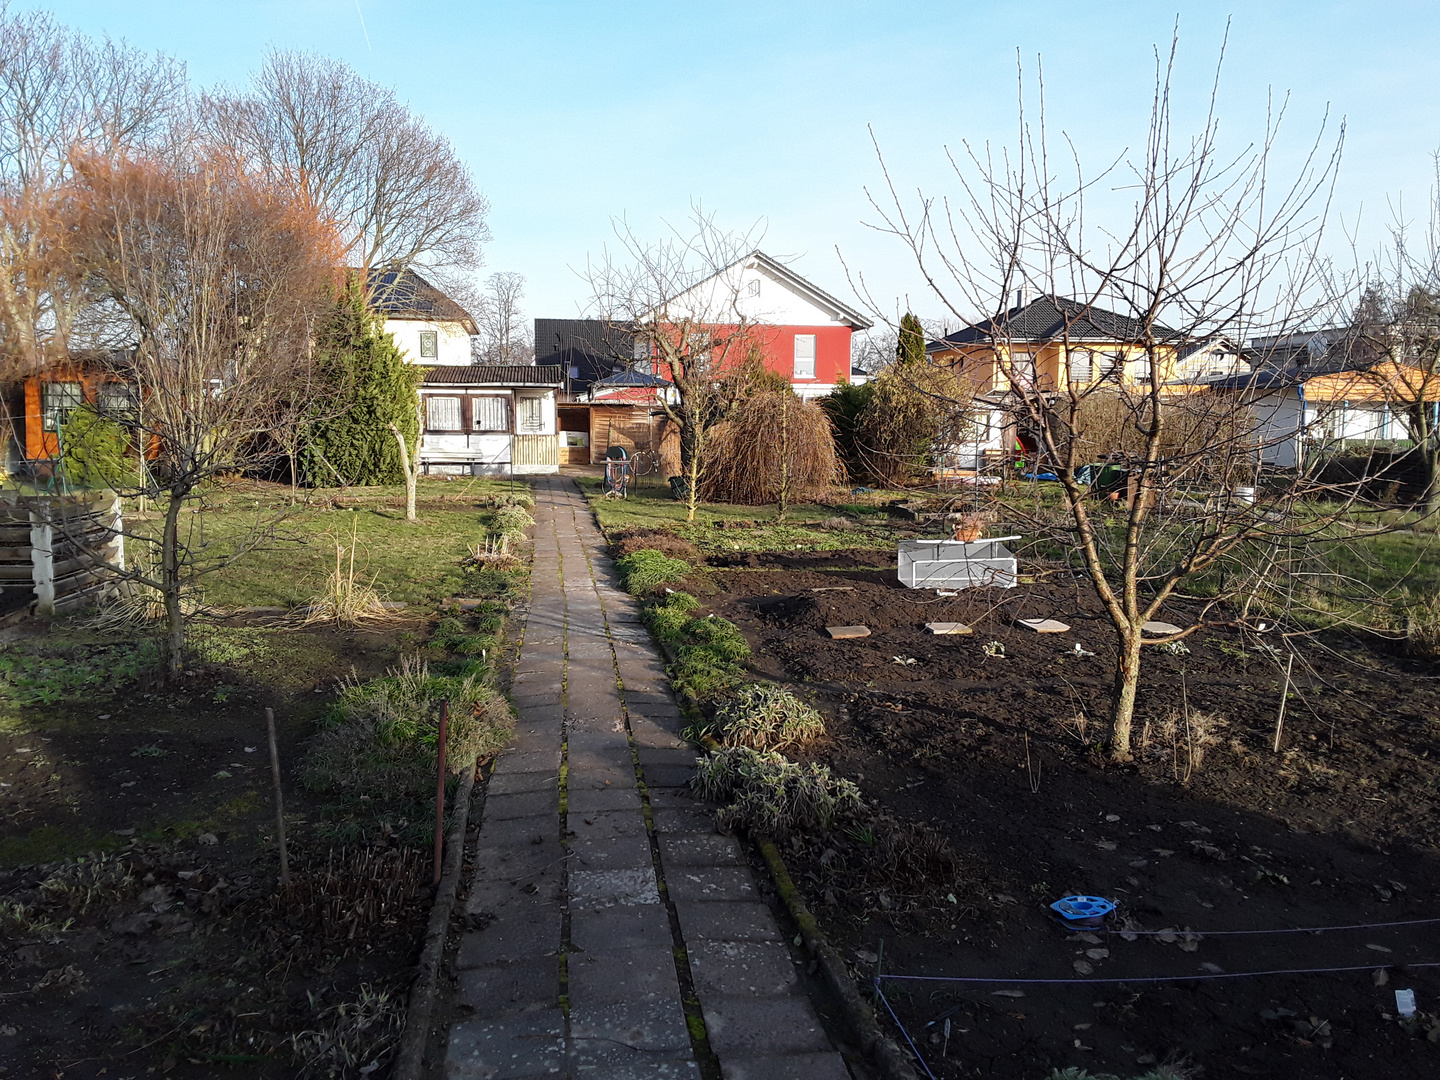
{"x":440,"y":790}
{"x":1284,"y":693}
{"x":279,"y":800}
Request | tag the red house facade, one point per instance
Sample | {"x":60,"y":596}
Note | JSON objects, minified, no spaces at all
{"x":802,"y":332}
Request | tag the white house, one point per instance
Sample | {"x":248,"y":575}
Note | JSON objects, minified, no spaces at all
{"x":428,"y":326}
{"x":490,"y":420}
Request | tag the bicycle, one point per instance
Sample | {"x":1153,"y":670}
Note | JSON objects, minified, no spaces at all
{"x":646,"y":462}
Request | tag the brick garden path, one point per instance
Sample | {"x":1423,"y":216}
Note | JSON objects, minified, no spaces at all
{"x":617,"y":924}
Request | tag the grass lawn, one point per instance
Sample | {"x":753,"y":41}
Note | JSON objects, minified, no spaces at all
{"x":418,"y":563}
{"x":755,"y":528}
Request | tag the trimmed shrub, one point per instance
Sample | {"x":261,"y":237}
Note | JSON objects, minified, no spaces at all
{"x":628,"y":541}
{"x":645,"y":571}
{"x":765,"y":717}
{"x":765,"y":793}
{"x":98,"y":453}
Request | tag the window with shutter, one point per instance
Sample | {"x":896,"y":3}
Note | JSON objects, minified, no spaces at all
{"x":532,"y":414}
{"x":442,"y":413}
{"x":1022,"y":370}
{"x":1080,"y":367}
{"x":804,"y":356}
{"x":429,"y":344}
{"x":491,"y":413}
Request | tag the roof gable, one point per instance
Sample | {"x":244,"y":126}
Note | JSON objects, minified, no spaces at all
{"x":762,"y":290}
{"x":404,"y":294}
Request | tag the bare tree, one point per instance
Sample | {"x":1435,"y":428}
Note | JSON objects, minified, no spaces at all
{"x":344,"y":145}
{"x":504,"y":333}
{"x":1209,"y":244}
{"x":681,"y":299}
{"x":60,"y":93}
{"x":216,"y":281}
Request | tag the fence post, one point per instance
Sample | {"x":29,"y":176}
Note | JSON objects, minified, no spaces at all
{"x":440,"y":790}
{"x":42,"y":560}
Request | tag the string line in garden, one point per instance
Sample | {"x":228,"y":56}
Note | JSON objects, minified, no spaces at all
{"x":1283,"y":930}
{"x":1205,"y":976}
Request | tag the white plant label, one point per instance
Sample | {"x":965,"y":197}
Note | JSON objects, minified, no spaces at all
{"x":1405,"y":1002}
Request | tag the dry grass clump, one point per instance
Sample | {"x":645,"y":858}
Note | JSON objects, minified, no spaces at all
{"x":1422,"y":629}
{"x":344,"y":599}
{"x":766,"y":717}
{"x":354,"y":1037}
{"x":771,"y":441}
{"x":765,"y":793}
{"x":1182,"y":737}
{"x":629,"y":541}
{"x":382,"y":734}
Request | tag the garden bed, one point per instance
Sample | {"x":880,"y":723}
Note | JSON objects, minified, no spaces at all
{"x":991,"y":739}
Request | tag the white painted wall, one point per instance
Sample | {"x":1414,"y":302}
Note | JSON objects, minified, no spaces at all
{"x":750,"y":292}
{"x":1279,"y":428}
{"x":453,"y":343}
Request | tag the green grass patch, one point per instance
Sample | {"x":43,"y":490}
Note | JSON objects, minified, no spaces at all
{"x":708,"y":650}
{"x":645,"y":571}
{"x":50,"y":669}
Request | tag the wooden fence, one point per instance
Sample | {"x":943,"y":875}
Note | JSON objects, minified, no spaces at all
{"x":60,"y":549}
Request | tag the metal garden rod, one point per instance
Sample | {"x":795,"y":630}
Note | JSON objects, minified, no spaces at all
{"x":440,"y":790}
{"x":279,"y":800}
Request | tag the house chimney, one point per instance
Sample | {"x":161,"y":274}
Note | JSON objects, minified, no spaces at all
{"x":1022,"y":296}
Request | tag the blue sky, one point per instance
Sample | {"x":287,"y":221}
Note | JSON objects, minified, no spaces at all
{"x":572,"y":113}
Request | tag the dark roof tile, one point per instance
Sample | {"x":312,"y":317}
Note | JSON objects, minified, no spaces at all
{"x":493,"y":375}
{"x":1051,"y":318}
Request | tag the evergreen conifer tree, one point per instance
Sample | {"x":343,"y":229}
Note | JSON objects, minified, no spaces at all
{"x":910,"y":344}
{"x":367,"y":386}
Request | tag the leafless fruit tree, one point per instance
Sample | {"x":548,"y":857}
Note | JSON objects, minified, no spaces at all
{"x":680,"y":298}
{"x":504,"y":334}
{"x":1210,"y":245}
{"x":215,"y":282}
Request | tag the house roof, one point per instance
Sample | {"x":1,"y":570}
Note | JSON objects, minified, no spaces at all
{"x":1260,"y":379}
{"x":1050,"y":318}
{"x":493,"y":375}
{"x":629,"y":378}
{"x":404,"y":294}
{"x":842,"y":312}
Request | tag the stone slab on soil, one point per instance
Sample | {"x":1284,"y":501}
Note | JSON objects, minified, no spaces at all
{"x":948,"y":628}
{"x":508,"y":1049}
{"x":847,"y":633}
{"x":823,"y":1065}
{"x":1155,"y":626}
{"x":1044,"y":626}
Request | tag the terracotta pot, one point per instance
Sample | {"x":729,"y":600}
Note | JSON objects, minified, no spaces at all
{"x":968,"y":533}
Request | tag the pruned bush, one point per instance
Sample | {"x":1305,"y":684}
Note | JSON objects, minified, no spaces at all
{"x":765,"y":793}
{"x":452,"y":635}
{"x":510,"y":521}
{"x":765,"y":717}
{"x":772,"y":444}
{"x":645,"y":571}
{"x":628,"y":541}
{"x":381,"y":736}
{"x":1181,"y":737}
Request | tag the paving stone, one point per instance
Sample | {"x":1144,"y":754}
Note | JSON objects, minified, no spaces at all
{"x":508,"y":783}
{"x":522,"y":804}
{"x":536,"y":698}
{"x":751,"y":1027}
{"x":528,"y":933}
{"x":498,"y":894}
{"x":605,"y":824}
{"x":594,"y":800}
{"x":629,"y":887}
{"x":590,"y":720}
{"x":726,"y":920}
{"x":620,"y":773}
{"x":532,"y":1044}
{"x":710,"y":883}
{"x":611,"y":976}
{"x":699,"y":849}
{"x":663,"y":774}
{"x":687,"y":819}
{"x":628,"y":1034}
{"x":678,"y":1069}
{"x":613,"y":853}
{"x":515,"y":862}
{"x":529,"y":761}
{"x":619,"y":928}
{"x":606,"y":740}
{"x":813,"y":1066}
{"x":680,"y":799}
{"x":520,"y":832}
{"x":581,"y":649}
{"x":492,"y":991}
{"x":647,"y":734}
{"x":683,"y":756}
{"x":741,"y":968}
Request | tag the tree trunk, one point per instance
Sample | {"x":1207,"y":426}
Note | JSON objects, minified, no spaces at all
{"x":410,"y":474}
{"x":690,"y":447}
{"x":1122,"y":695}
{"x":170,"y":588}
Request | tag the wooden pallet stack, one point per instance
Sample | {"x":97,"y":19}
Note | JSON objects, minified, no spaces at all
{"x":61,"y":549}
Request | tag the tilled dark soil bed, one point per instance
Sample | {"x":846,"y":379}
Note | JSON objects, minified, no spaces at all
{"x":998,"y":754}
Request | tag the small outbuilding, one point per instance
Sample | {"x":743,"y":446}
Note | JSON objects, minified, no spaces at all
{"x":490,"y":420}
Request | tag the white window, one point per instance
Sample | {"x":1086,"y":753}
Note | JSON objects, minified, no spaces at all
{"x":1105,"y":366}
{"x":429,"y":344}
{"x":1140,"y":371}
{"x":532,"y":414}
{"x":442,"y":413}
{"x":116,"y":399}
{"x":1081,"y":367}
{"x":1022,"y":370}
{"x":641,"y":350}
{"x":57,"y":400}
{"x":491,"y":413}
{"x":752,"y":289}
{"x":804,"y":356}
{"x":574,"y":371}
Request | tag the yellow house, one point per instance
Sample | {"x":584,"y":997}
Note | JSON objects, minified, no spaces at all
{"x":1041,"y":344}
